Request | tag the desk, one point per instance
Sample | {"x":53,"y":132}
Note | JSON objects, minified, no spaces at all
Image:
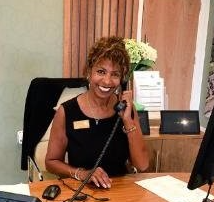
{"x":123,"y":188}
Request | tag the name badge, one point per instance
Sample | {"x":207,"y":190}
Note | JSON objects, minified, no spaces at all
{"x":81,"y":124}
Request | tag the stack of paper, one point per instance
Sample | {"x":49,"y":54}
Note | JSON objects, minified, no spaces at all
{"x":172,"y":189}
{"x":149,"y":90}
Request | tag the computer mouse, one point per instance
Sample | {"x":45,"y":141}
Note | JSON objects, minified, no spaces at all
{"x":51,"y":192}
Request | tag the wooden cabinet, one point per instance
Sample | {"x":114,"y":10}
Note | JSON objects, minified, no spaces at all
{"x":172,"y":153}
{"x":154,"y":148}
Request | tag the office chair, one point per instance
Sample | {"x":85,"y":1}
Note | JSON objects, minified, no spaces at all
{"x":44,"y":96}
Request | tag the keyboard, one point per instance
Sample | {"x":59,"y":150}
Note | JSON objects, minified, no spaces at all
{"x":11,"y":197}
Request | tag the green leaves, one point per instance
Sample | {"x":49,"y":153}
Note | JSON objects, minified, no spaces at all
{"x":143,"y":65}
{"x":138,"y":106}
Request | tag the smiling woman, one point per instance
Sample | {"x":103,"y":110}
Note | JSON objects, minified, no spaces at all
{"x":84,"y":124}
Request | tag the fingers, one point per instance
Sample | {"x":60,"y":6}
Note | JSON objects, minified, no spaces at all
{"x":127,"y":96}
{"x":101,"y":178}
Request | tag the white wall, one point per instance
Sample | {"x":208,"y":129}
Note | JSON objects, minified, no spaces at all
{"x":30,"y":46}
{"x":200,"y":54}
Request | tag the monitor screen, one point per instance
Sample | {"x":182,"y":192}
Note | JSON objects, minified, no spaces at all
{"x":203,"y":169}
{"x":179,"y":122}
{"x":144,"y":121}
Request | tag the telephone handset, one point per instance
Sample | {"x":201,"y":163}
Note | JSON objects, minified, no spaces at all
{"x":121,"y":105}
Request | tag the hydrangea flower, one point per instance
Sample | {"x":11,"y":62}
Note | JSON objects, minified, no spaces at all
{"x":142,"y":55}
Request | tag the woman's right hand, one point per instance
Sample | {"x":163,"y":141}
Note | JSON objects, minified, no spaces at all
{"x":100,"y":178}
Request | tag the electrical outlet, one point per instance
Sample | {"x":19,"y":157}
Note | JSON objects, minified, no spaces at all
{"x":19,"y":136}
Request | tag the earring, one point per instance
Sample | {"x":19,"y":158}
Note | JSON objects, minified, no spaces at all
{"x":88,"y":81}
{"x":117,"y":90}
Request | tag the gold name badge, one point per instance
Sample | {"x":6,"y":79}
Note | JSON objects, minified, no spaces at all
{"x":81,"y":124}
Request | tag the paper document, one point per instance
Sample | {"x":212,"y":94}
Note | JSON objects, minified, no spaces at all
{"x":17,"y":189}
{"x":149,"y":90}
{"x":172,"y":189}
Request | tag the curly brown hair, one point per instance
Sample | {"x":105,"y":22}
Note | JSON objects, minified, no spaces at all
{"x":112,"y":48}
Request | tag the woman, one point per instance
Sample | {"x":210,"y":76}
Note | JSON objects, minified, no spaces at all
{"x":82,"y":125}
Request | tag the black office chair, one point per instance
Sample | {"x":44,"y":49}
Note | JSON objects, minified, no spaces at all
{"x":42,"y":96}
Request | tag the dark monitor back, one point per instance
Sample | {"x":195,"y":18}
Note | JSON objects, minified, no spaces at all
{"x":144,"y":122}
{"x":179,"y":122}
{"x":203,"y":169}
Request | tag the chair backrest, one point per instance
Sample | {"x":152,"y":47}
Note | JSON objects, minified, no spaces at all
{"x":42,"y":96}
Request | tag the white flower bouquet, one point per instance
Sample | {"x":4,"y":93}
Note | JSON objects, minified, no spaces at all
{"x":142,"y":55}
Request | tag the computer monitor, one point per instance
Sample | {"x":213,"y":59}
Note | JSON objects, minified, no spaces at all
{"x":179,"y":122}
{"x":144,"y":122}
{"x":203,"y":169}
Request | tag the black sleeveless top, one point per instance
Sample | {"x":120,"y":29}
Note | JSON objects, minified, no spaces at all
{"x":86,"y":140}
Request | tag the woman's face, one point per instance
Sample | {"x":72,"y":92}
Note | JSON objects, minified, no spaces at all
{"x":105,"y":77}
